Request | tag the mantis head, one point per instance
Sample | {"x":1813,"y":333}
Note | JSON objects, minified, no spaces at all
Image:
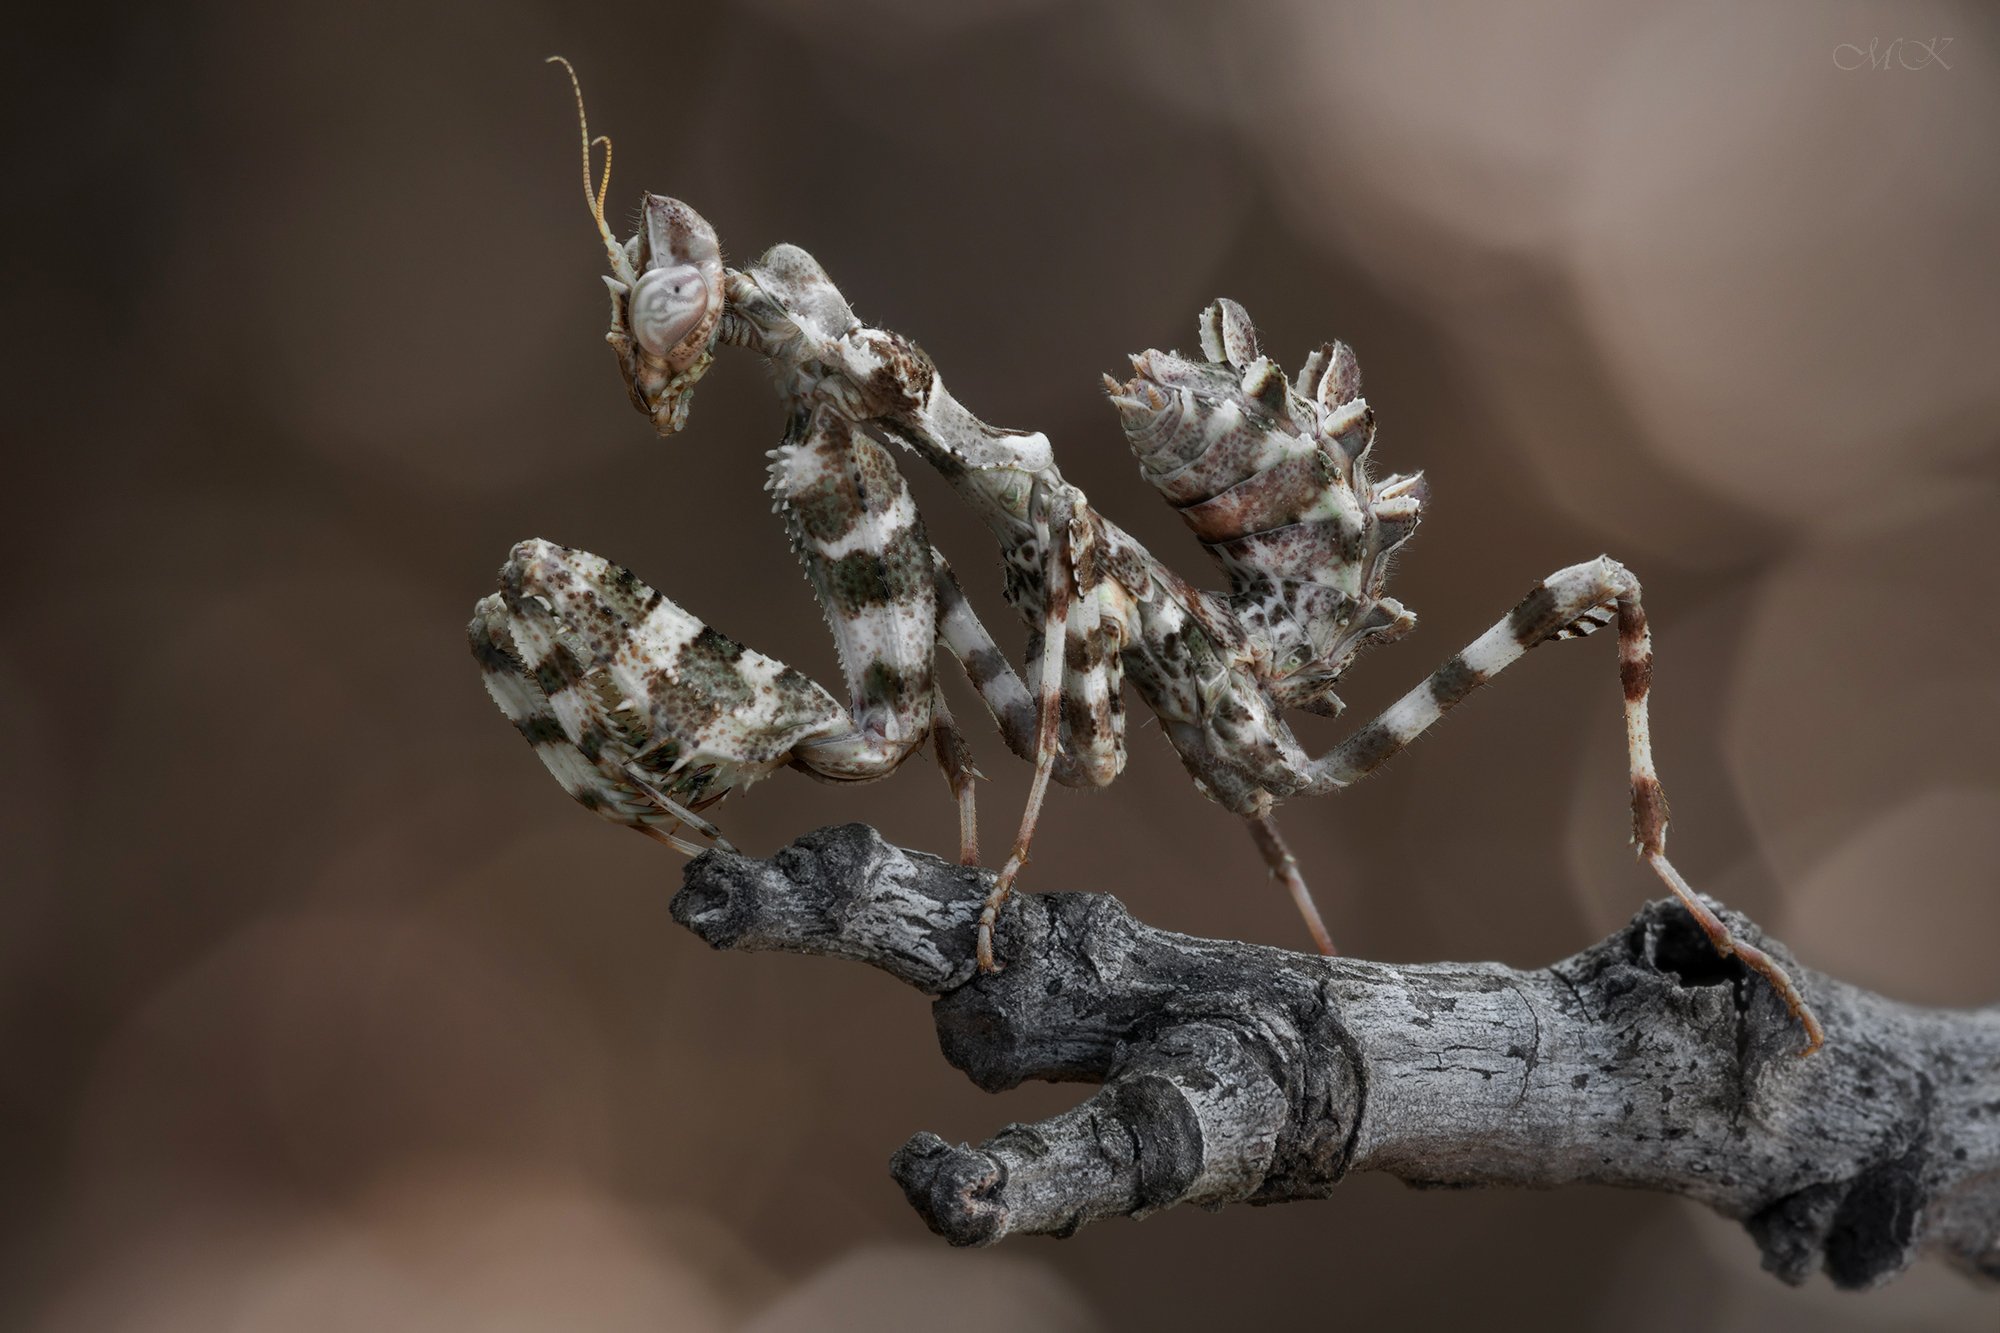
{"x":666,"y":286}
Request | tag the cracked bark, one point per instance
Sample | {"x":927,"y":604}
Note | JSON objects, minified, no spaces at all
{"x":1240,"y":1073}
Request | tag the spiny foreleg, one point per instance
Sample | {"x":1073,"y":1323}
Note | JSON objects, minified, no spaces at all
{"x":856,"y":529}
{"x":1569,"y":603}
{"x":533,"y":677}
{"x":640,"y":711}
{"x":643,"y":713}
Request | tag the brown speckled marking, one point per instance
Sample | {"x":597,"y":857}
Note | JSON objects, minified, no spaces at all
{"x":1081,"y":721}
{"x":1453,"y":681}
{"x":1244,"y":445}
{"x":1635,"y":667}
{"x":856,"y":582}
{"x":1109,"y":709}
{"x":541,"y":730}
{"x":825,"y":507}
{"x":887,"y":685}
{"x":1536,"y":616}
{"x":1081,"y":652}
{"x":549,"y":678}
{"x":1368,"y":748}
{"x":1274,"y":498}
{"x":906,"y":567}
{"x":903,"y":382}
{"x":679,"y":708}
{"x":1322,"y":551}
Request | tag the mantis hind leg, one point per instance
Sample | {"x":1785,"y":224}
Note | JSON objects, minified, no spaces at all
{"x":1568,"y":604}
{"x":1285,"y":868}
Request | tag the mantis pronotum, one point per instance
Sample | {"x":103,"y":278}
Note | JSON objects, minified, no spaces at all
{"x":649,"y":717}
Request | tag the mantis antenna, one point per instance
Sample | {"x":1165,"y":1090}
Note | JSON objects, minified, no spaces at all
{"x":594,"y":199}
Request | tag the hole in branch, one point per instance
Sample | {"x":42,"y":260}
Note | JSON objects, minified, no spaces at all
{"x":1680,"y":947}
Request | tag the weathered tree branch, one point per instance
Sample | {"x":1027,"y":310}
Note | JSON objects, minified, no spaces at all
{"x":1239,"y":1073}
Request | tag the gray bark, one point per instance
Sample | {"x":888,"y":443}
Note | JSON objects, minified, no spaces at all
{"x":1239,"y":1073}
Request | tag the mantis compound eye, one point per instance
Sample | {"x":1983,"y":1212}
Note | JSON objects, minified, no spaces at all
{"x":667,"y":305}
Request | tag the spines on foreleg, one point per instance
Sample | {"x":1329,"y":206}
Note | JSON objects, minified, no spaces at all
{"x":706,"y":698}
{"x":579,"y":765}
{"x":857,"y":532}
{"x":642,"y":712}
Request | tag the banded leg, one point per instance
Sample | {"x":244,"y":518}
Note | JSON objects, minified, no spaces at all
{"x":1048,"y":723}
{"x":1089,"y":755}
{"x":1073,"y":731}
{"x":1000,"y":687}
{"x":1569,"y":603}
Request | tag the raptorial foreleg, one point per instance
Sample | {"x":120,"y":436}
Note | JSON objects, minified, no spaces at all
{"x":643,"y":713}
{"x":1569,"y":603}
{"x":857,"y":532}
{"x":531,"y":675}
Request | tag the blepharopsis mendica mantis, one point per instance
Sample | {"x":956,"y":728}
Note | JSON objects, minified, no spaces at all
{"x":648,"y":716}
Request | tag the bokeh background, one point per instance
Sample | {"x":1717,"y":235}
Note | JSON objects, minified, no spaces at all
{"x":324,"y":1010}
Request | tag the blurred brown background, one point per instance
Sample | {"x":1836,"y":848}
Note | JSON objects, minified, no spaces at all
{"x":324,"y":1010}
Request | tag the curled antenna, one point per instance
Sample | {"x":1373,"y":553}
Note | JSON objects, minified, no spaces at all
{"x":604,"y":181}
{"x":594,"y":199}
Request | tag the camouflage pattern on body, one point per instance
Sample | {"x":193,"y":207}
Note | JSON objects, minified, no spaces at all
{"x":645,"y":715}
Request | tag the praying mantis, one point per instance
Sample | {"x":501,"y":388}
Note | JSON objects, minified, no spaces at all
{"x":649,"y":717}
